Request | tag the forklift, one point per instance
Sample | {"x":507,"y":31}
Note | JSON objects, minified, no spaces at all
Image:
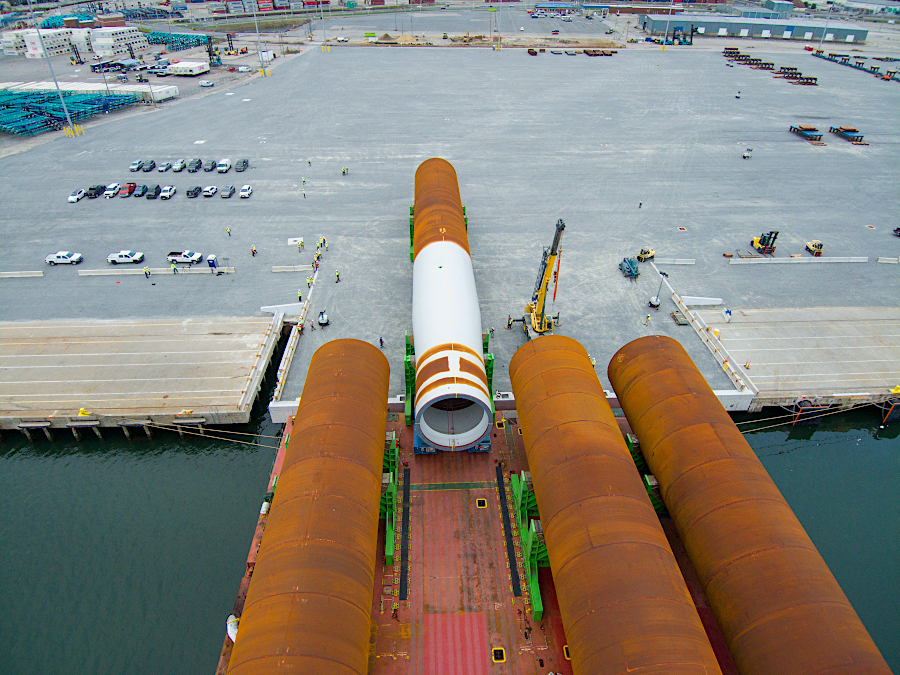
{"x":765,"y":243}
{"x":814,"y":247}
{"x":214,"y":58}
{"x":646,"y":254}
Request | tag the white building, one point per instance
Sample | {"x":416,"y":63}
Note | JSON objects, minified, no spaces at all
{"x":115,"y":41}
{"x":56,"y":41}
{"x":13,"y":42}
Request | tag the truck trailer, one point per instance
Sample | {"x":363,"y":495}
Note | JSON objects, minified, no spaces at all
{"x":187,"y":68}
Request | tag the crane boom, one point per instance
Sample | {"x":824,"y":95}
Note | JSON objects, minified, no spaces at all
{"x":540,"y":321}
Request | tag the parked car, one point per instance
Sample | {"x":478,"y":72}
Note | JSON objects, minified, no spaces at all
{"x":210,"y":165}
{"x":246,"y":191}
{"x":165,"y":166}
{"x":244,"y":69}
{"x":184,"y":257}
{"x":193,"y":191}
{"x":223,"y":166}
{"x":136,"y":165}
{"x":206,"y":83}
{"x":111,"y":191}
{"x":127,"y":189}
{"x":242,"y":165}
{"x":63,"y":258}
{"x":140,"y":191}
{"x":125,"y":257}
{"x":76,"y":196}
{"x":154,"y":191}
{"x":210,"y":191}
{"x":227,"y":191}
{"x":95,"y":191}
{"x":179,"y":165}
{"x":149,"y":166}
{"x":194,"y":165}
{"x":167,"y":192}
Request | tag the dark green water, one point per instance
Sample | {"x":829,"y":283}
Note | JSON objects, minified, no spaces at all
{"x":124,"y":557}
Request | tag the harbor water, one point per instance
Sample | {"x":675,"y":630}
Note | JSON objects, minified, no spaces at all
{"x":124,"y":557}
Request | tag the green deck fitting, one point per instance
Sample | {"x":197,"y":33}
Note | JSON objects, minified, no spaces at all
{"x":534,"y":554}
{"x":410,"y":375}
{"x":390,"y":454}
{"x":658,"y":503}
{"x":634,"y":448}
{"x":524,"y":502}
{"x":489,"y":371}
{"x":412,"y":230}
{"x":485,"y":342}
{"x":388,"y":511}
{"x":465,"y":218}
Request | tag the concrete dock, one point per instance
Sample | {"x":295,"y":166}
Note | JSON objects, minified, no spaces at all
{"x":132,"y":373}
{"x":836,"y":355}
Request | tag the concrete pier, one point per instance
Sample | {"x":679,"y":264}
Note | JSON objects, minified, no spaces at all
{"x":84,"y":375}
{"x":834,"y":355}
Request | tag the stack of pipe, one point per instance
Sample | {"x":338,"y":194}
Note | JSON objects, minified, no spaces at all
{"x":778,"y":605}
{"x":452,"y":400}
{"x":309,"y":605}
{"x":624,"y":604}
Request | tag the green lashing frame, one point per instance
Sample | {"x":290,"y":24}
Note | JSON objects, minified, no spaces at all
{"x":409,"y":376}
{"x":534,"y":550}
{"x":388,"y":508}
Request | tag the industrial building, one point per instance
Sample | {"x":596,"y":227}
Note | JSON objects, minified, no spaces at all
{"x":728,"y":26}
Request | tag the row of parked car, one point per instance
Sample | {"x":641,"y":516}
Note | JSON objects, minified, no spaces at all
{"x":222,"y":166}
{"x":70,"y":258}
{"x":152,"y":192}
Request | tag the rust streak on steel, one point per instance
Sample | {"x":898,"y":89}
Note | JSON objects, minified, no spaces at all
{"x":624,"y":604}
{"x":308,"y":609}
{"x":780,"y":608}
{"x":438,"y":209}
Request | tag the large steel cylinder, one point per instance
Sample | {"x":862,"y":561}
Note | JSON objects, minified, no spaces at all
{"x":624,"y":604}
{"x":309,"y":605}
{"x":452,"y":401}
{"x":778,"y":605}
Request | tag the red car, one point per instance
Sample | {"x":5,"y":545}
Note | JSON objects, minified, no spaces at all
{"x":127,"y":189}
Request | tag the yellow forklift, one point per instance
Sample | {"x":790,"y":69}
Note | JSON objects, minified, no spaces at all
{"x":765,"y":243}
{"x":814,"y":247}
{"x":646,"y":254}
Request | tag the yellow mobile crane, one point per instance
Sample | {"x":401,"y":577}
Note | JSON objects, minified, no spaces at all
{"x":536,"y":318}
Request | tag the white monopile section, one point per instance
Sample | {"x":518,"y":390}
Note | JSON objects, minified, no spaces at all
{"x":452,"y":401}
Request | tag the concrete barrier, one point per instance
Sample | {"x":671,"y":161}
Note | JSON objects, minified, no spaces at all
{"x":770,"y":261}
{"x":19,"y":275}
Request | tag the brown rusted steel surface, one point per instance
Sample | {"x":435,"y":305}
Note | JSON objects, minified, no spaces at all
{"x":309,"y":604}
{"x":779,"y":607}
{"x":438,"y":208}
{"x":624,"y":603}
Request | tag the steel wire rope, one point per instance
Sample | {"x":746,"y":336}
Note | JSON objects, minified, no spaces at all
{"x":182,"y":430}
{"x":811,"y":417}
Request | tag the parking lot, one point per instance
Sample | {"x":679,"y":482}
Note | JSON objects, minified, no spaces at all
{"x":532,"y":140}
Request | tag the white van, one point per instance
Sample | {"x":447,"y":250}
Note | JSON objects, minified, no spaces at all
{"x":223,"y":166}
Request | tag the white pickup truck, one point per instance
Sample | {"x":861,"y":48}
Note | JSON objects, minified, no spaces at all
{"x":184,"y":257}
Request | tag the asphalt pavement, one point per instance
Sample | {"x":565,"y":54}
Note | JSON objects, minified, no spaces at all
{"x":533,"y":139}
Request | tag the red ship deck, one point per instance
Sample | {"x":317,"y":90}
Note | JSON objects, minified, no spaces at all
{"x":461,"y":603}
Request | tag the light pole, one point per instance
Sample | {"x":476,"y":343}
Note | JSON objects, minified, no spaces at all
{"x":668,"y":18}
{"x":825,"y":30}
{"x":37,"y":28}
{"x":262,"y":66}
